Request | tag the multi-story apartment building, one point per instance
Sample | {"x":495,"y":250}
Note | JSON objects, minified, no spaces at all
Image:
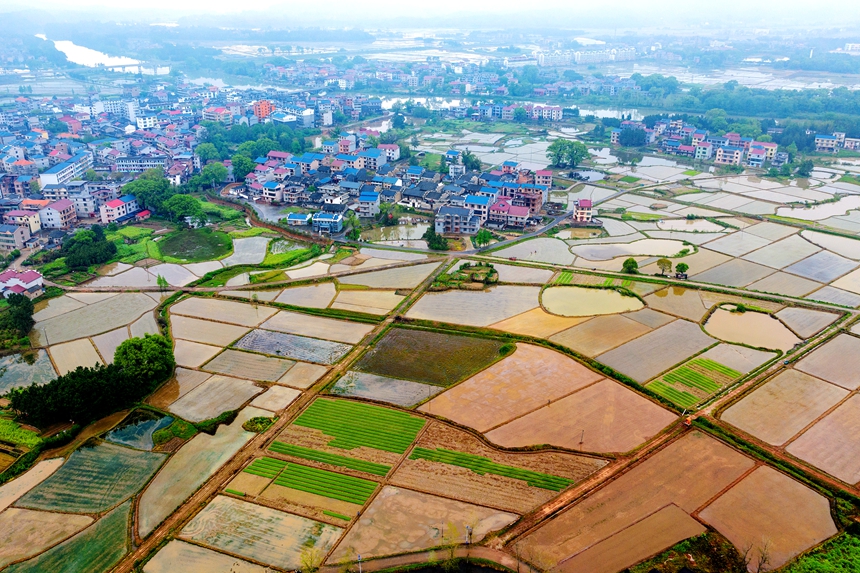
{"x":140,"y":163}
{"x":458,"y":220}
{"x":58,"y":215}
{"x":62,"y":173}
{"x":729,"y":155}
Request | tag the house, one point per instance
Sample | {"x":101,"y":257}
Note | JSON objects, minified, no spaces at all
{"x":479,"y":205}
{"x":826,"y":143}
{"x":729,"y":155}
{"x":62,"y":173}
{"x":615,"y":136}
{"x":13,"y":237}
{"x":298,"y":219}
{"x":28,"y":283}
{"x":373,"y":158}
{"x":780,"y":159}
{"x":58,"y":215}
{"x":272,"y":192}
{"x":119,"y":210}
{"x":756,"y":157}
{"x":28,"y":218}
{"x":458,"y":220}
{"x":583,"y":211}
{"x":510,"y":167}
{"x":392,"y":150}
{"x":543,"y":177}
{"x":704,"y":150}
{"x":326,"y":222}
{"x":368,"y":204}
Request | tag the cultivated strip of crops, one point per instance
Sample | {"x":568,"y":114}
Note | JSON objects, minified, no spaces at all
{"x":689,"y":377}
{"x":326,"y":483}
{"x":684,"y":399}
{"x":354,"y":425}
{"x":565,"y":278}
{"x":337,"y":515}
{"x":481,"y":466}
{"x":266,"y":467}
{"x":710,"y":365}
{"x":327,"y":458}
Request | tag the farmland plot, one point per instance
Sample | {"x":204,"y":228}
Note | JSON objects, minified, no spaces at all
{"x":292,"y":346}
{"x":579,"y":301}
{"x":276,"y":398}
{"x":763,"y":509}
{"x":144,"y":325}
{"x":183,"y":381}
{"x":518,"y":384}
{"x":92,"y":319}
{"x":542,"y":249}
{"x":181,"y":556}
{"x":318,"y":327}
{"x":687,"y":473}
{"x":310,"y":296}
{"x":397,"y":278}
{"x":384,"y":389}
{"x":738,"y":244}
{"x":303,"y":375}
{"x":429,"y":357}
{"x":823,"y":267}
{"x":735,"y":273}
{"x":24,"y":533}
{"x":69,"y":355}
{"x":55,"y":307}
{"x":647,"y":356}
{"x":137,"y":430}
{"x":784,"y":283}
{"x":94,"y":479}
{"x":752,"y":328}
{"x":843,"y":246}
{"x":832,"y":444}
{"x":401,"y":520}
{"x":205,"y":331}
{"x":836,"y":296}
{"x":15,"y":372}
{"x":312,"y":439}
{"x":527,"y":275}
{"x":248,"y":251}
{"x":644,"y":247}
{"x":193,"y":354}
{"x":806,"y":322}
{"x":837,"y":361}
{"x":678,"y":301}
{"x":223,"y":311}
{"x":254,"y":366}
{"x":603,"y":417}
{"x":260,"y":533}
{"x":650,"y":318}
{"x":189,"y":468}
{"x":368,"y":301}
{"x":537,"y":322}
{"x":475,"y":308}
{"x":783,"y":253}
{"x":108,"y":342}
{"x":461,"y":466}
{"x":783,"y":406}
{"x":218,"y":394}
{"x":94,"y":550}
{"x":694,"y":381}
{"x":11,"y":491}
{"x":600,"y":334}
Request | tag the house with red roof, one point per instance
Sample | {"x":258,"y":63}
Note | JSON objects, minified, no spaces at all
{"x":58,"y":215}
{"x":119,"y":210}
{"x":583,"y":211}
{"x":28,"y":283}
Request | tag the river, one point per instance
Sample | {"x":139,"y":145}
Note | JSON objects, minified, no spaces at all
{"x":90,"y":58}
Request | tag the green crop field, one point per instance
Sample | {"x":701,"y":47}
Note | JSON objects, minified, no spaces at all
{"x":353,"y":425}
{"x":691,"y":172}
{"x":195,"y":245}
{"x":694,"y":381}
{"x":326,"y":483}
{"x":332,"y":459}
{"x":266,"y":467}
{"x":12,"y":433}
{"x":337,"y":515}
{"x":481,"y":466}
{"x":565,"y":278}
{"x":629,"y":179}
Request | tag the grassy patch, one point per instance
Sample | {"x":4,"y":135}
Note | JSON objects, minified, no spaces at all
{"x":195,"y":245}
{"x":565,"y":278}
{"x":134,"y":233}
{"x":711,"y":552}
{"x":178,"y":429}
{"x":234,"y":492}
{"x":430,"y":161}
{"x":629,"y":179}
{"x":12,"y":433}
{"x":258,"y":424}
{"x":839,"y":555}
{"x":694,"y":381}
{"x":284,"y":253}
{"x":691,"y":172}
{"x":251,"y":232}
{"x":481,"y":466}
{"x":429,"y":357}
{"x":353,"y":425}
{"x":331,"y":459}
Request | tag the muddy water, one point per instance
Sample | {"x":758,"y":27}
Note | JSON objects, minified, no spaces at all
{"x":694,"y":225}
{"x":579,"y":301}
{"x":752,"y":328}
{"x":819,"y":212}
{"x":395,"y":233}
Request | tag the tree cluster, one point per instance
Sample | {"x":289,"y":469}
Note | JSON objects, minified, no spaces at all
{"x":87,"y":247}
{"x":434,"y":240}
{"x":567,"y":153}
{"x":87,"y":394}
{"x":19,"y":316}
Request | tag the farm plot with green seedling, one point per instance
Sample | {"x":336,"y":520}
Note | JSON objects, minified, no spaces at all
{"x":328,"y":484}
{"x":330,"y":459}
{"x":565,"y":278}
{"x":456,"y":464}
{"x":694,"y":381}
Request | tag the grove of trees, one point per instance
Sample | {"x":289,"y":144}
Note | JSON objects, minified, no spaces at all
{"x":566,"y":153}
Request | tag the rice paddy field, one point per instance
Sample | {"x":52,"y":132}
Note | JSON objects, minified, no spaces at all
{"x":254,"y":366}
{"x":88,"y":320}
{"x":217,"y":310}
{"x":17,"y":372}
{"x":475,"y":308}
{"x":215,"y":395}
{"x":292,"y":346}
{"x":428,"y":357}
{"x":318,"y":327}
{"x":579,"y":301}
{"x":11,"y":491}
{"x":25,"y":533}
{"x":182,"y":556}
{"x":384,"y":389}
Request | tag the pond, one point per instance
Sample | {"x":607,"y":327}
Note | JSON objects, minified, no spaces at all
{"x":587,"y":175}
{"x":752,"y":328}
{"x":17,"y":371}
{"x":581,"y":301}
{"x":395,"y":233}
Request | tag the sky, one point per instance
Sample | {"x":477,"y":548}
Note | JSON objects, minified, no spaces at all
{"x":836,"y":13}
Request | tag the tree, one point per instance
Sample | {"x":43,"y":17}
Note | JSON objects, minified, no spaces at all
{"x":630,"y":266}
{"x":806,"y":167}
{"x":682,"y":268}
{"x":207,"y":152}
{"x":434,"y":240}
{"x":214,"y":173}
{"x":632,"y":138}
{"x":92,"y":175}
{"x":147,"y":358}
{"x":563,"y":152}
{"x":242,"y":165}
{"x":19,"y":317}
{"x":483,"y":238}
{"x":162,"y":283}
{"x":399,"y":121}
{"x":665,"y":265}
{"x":470,"y":161}
{"x":34,"y":186}
{"x":443,"y":165}
{"x":521,"y":115}
{"x":181,"y":206}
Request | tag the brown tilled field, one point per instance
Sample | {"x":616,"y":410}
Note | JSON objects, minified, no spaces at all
{"x":769,"y":510}
{"x":833,"y":444}
{"x":315,"y":439}
{"x":520,"y":383}
{"x":501,"y":492}
{"x":837,"y":361}
{"x":600,"y":334}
